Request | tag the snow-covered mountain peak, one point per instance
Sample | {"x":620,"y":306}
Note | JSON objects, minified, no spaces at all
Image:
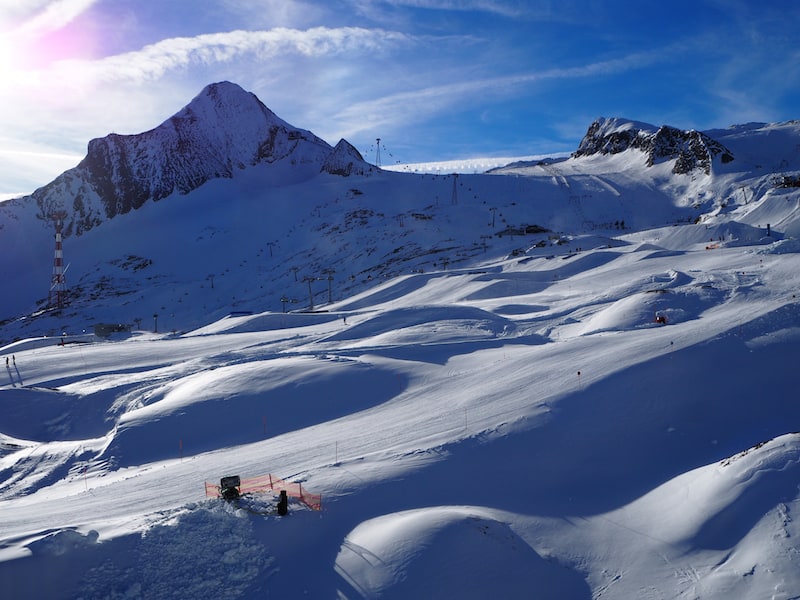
{"x":225,"y":106}
{"x":224,"y":129}
{"x":610,"y":125}
{"x":690,"y":149}
{"x":345,"y":160}
{"x":612,"y":135}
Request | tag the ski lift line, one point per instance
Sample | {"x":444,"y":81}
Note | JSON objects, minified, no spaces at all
{"x":377,"y":148}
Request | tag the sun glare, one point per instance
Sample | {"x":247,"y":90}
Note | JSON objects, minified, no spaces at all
{"x":5,"y":55}
{"x":12,"y":60}
{"x":20,"y":59}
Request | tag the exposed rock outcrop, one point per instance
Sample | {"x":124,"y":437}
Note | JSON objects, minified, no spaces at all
{"x":345,"y":160}
{"x":690,"y":149}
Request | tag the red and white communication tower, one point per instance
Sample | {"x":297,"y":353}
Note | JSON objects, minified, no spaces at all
{"x":58,"y":286}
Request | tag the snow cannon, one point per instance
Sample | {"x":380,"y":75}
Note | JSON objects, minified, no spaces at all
{"x":229,"y":487}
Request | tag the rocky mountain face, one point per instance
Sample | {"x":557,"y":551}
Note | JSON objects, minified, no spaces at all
{"x":345,"y":160}
{"x":222,"y":130}
{"x":689,"y":149}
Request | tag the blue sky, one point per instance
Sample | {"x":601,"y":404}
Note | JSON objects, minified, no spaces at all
{"x":434,"y":79}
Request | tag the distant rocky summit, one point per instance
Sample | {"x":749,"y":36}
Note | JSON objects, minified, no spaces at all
{"x":345,"y":160}
{"x":689,"y":149}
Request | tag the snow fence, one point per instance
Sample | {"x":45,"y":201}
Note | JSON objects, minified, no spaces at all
{"x":270,"y":483}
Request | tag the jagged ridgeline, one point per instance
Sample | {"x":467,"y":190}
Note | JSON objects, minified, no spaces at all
{"x":689,"y":149}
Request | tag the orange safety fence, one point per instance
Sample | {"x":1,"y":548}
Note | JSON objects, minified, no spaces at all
{"x":267,"y":483}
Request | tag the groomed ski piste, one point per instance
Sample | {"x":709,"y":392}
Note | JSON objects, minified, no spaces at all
{"x":581,"y":413}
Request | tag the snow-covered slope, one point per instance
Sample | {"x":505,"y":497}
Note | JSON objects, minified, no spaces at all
{"x":570,"y":380}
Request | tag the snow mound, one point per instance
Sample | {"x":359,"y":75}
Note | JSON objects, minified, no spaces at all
{"x":736,"y":513}
{"x":447,"y":552}
{"x":247,"y":323}
{"x":716,"y":506}
{"x":426,"y":324}
{"x":743,"y":488}
{"x":171,"y":559}
{"x":789,"y":246}
{"x":155,"y":564}
{"x":653,"y":308}
{"x":204,"y":411}
{"x":63,"y":542}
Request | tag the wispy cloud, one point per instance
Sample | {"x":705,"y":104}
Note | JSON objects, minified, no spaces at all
{"x":15,"y":12}
{"x":37,"y":17}
{"x":753,"y":79}
{"x":575,"y":11}
{"x":78,"y":81}
{"x":268,"y":14}
{"x":427,"y":102}
{"x":154,"y":61}
{"x":507,"y":8}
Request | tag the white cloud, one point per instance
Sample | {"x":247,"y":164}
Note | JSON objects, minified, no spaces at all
{"x":426,"y":102}
{"x":13,"y":12}
{"x":69,"y":89}
{"x":154,"y":61}
{"x":34,"y":17}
